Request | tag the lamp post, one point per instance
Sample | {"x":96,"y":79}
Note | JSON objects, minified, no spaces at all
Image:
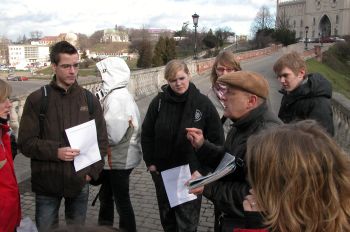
{"x":306,"y":31}
{"x":195,"y":24}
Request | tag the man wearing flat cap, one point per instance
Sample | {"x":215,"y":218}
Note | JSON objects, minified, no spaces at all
{"x":244,"y":98}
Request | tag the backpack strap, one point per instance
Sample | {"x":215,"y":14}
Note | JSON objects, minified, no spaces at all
{"x":90,"y":102}
{"x":45,"y":91}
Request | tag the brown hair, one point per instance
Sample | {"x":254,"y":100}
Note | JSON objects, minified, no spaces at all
{"x":227,"y":59}
{"x":301,"y":178}
{"x":173,"y":66}
{"x":5,"y":90}
{"x":292,"y":61}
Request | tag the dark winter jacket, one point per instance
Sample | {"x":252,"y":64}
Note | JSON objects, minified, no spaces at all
{"x":228,"y":193}
{"x":50,"y":175}
{"x":163,"y":136}
{"x":311,"y":100}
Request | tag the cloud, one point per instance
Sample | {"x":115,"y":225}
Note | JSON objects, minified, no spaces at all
{"x":18,"y":17}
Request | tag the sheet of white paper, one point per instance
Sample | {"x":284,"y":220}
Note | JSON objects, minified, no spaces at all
{"x":174,"y":181}
{"x":84,"y":137}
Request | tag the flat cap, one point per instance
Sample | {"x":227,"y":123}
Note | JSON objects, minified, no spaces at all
{"x":248,"y":81}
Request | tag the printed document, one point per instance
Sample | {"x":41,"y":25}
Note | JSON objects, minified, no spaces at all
{"x":174,"y":181}
{"x":226,"y":166}
{"x":84,"y":137}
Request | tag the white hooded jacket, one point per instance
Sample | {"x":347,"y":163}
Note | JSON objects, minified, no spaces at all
{"x":121,"y":114}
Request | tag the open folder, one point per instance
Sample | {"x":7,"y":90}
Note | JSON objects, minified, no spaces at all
{"x":226,"y":166}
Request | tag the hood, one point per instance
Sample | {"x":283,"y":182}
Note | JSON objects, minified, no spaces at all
{"x":315,"y":86}
{"x":319,"y":86}
{"x":115,"y":73}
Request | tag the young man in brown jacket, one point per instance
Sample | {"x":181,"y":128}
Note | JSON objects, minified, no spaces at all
{"x":53,"y":173}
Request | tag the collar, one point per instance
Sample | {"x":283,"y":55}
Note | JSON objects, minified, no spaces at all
{"x":251,"y":117}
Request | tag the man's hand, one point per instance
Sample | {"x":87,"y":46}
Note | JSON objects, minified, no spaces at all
{"x":250,"y":204}
{"x":195,"y":191}
{"x":152,"y":168}
{"x":87,"y":178}
{"x":195,"y":136}
{"x":67,"y":153}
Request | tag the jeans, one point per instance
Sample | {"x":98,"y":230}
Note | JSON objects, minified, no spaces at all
{"x":115,"y":185}
{"x":47,"y":208}
{"x":181,"y":218}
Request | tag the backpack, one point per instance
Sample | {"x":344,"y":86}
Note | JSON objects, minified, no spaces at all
{"x":45,"y":92}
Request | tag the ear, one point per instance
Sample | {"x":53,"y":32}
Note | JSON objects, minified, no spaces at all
{"x":252,"y":101}
{"x":301,"y":73}
{"x":54,"y":67}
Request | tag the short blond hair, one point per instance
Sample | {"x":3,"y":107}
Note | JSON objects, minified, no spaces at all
{"x":173,"y":66}
{"x":5,"y":90}
{"x":301,"y":178}
{"x":292,"y":60}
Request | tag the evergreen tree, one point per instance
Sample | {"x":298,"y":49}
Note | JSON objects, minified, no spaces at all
{"x":159,"y":54}
{"x":145,"y":55}
{"x":170,"y":52}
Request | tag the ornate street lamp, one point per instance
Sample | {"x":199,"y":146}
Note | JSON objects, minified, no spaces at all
{"x":195,"y":23}
{"x":306,"y":31}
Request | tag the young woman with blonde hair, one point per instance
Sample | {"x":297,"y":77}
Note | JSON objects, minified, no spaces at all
{"x":300,"y":179}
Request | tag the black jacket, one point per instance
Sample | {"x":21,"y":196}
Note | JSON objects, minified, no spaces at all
{"x":311,"y":100}
{"x":228,"y":193}
{"x":163,"y":136}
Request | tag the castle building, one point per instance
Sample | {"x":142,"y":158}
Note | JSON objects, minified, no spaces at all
{"x":321,"y":18}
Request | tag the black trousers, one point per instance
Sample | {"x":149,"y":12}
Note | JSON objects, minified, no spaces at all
{"x":115,"y":186}
{"x":181,"y":218}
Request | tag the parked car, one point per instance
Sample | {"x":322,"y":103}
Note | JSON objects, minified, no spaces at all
{"x":327,"y":40}
{"x":338,"y":39}
{"x":17,"y":78}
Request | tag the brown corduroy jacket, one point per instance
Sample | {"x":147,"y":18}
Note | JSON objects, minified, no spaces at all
{"x":51,"y":176}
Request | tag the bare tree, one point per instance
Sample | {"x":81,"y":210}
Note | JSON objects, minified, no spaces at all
{"x":282,"y":20}
{"x":263,"y":20}
{"x":83,"y":41}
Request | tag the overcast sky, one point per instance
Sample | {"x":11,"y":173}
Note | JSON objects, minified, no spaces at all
{"x":19,"y":17}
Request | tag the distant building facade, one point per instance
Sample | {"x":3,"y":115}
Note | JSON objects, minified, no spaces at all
{"x":113,"y":35}
{"x":323,"y":17}
{"x":24,"y":56}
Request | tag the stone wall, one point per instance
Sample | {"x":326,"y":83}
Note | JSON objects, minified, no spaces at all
{"x":148,"y":81}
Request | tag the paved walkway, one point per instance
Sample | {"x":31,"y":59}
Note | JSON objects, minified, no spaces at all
{"x":142,"y":190}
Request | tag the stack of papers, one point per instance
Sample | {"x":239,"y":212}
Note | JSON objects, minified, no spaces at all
{"x":226,"y":166}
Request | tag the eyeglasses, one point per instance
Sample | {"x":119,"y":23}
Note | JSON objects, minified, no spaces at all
{"x":68,"y":66}
{"x":222,"y":69}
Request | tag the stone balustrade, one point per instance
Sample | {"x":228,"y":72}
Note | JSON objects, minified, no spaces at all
{"x":148,"y":81}
{"x":341,"y":117}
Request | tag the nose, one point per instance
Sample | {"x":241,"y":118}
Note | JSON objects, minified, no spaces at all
{"x":281,"y":79}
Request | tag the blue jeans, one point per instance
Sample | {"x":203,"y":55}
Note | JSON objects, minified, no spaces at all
{"x":47,"y":208}
{"x":115,"y":185}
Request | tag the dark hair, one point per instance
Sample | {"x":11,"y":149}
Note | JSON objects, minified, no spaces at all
{"x":61,"y":47}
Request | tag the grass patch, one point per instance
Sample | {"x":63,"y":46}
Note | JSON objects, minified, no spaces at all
{"x":340,"y":82}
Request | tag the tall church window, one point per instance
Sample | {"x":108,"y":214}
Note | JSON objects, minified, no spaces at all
{"x":294,"y":23}
{"x":314,"y":22}
{"x":337,"y":19}
{"x":301,"y":23}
